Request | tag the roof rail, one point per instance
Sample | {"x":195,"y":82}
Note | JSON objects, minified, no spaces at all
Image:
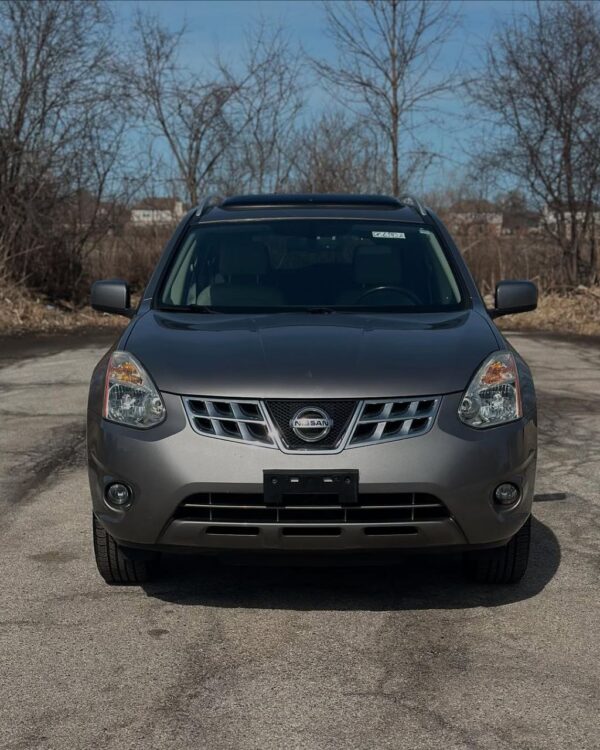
{"x":210,"y":201}
{"x":415,"y":202}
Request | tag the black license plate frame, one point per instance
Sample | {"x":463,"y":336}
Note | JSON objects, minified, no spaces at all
{"x":280,"y":484}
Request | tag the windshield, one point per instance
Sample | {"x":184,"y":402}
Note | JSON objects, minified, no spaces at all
{"x":330,"y":264}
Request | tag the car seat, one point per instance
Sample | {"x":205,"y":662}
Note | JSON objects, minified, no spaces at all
{"x":242,"y":269}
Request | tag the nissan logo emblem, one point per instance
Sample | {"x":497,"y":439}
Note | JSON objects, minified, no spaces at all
{"x":311,"y":424}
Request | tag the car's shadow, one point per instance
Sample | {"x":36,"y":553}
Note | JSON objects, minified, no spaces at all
{"x":411,"y":582}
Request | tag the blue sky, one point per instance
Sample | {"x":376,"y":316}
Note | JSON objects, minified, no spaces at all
{"x":221,"y":24}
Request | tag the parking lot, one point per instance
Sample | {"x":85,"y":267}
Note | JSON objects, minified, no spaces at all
{"x":218,"y":656}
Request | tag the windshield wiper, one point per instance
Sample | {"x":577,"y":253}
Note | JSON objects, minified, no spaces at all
{"x":318,"y":310}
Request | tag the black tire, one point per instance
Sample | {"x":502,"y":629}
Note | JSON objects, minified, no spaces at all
{"x":115,"y":566}
{"x":506,"y":564}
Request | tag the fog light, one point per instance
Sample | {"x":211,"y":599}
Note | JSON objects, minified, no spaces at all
{"x":118,"y":494}
{"x":506,"y":494}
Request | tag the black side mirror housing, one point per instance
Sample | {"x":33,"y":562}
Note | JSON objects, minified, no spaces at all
{"x":514,"y":297}
{"x":112,"y":296}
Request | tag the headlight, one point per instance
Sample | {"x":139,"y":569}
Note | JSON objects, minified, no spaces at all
{"x":130,"y":396}
{"x":493,"y":397}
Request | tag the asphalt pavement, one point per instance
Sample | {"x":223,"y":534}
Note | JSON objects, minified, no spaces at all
{"x":242,"y":657}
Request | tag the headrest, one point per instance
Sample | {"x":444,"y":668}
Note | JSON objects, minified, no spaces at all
{"x":376,"y":265}
{"x":245,"y":259}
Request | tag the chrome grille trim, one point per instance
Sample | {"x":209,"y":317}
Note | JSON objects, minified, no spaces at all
{"x":241,"y":420}
{"x":371,"y":508}
{"x":384,"y":420}
{"x":374,"y":421}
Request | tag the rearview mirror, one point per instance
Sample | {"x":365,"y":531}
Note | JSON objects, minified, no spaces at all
{"x":112,"y":296}
{"x":514,"y":297}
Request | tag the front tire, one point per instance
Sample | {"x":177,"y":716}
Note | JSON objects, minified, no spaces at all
{"x":113,"y":564}
{"x":506,"y":564}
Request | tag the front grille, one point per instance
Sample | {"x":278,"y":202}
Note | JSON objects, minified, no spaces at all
{"x":384,"y":420}
{"x":340,"y":412}
{"x":231,"y":420}
{"x":354,"y":423}
{"x":228,"y":507}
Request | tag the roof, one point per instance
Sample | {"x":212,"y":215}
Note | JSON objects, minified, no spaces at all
{"x":314,"y":205}
{"x":311,"y":199}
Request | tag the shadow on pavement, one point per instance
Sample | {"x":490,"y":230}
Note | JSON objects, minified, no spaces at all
{"x":15,"y":348}
{"x":411,"y":582}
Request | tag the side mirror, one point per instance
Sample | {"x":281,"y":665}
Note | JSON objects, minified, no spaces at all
{"x":514,"y":297}
{"x":112,"y":296}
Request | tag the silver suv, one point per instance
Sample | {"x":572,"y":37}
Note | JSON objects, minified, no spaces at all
{"x":312,"y":374}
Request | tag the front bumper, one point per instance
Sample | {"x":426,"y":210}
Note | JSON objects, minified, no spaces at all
{"x":458,"y":465}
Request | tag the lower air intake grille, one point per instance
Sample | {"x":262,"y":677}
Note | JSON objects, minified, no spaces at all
{"x":340,"y":412}
{"x":226,"y":507}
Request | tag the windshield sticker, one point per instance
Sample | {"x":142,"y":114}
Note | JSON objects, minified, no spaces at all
{"x":389,"y":235}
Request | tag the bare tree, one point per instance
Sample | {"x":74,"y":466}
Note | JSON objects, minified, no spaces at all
{"x":269,"y":106}
{"x":387,"y":54}
{"x":337,"y":153}
{"x":176,"y":106}
{"x":228,"y":119}
{"x":59,"y":137}
{"x":540,"y":89}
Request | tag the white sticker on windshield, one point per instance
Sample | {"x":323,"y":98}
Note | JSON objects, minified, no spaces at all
{"x":389,"y":235}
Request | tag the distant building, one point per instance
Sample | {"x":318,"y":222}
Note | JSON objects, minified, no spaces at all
{"x":521,"y":222}
{"x":479,"y":218}
{"x":550,"y":216}
{"x":473,"y":223}
{"x":157,"y":211}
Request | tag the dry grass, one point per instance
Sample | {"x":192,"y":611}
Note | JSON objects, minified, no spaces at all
{"x":576,"y":313}
{"x":22,"y":313}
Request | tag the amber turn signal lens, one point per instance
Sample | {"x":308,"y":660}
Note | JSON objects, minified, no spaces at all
{"x":497,"y":372}
{"x":126,"y":372}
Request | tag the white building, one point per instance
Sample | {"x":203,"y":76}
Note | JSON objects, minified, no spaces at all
{"x":550,"y":215}
{"x":157,"y":211}
{"x":477,"y":222}
{"x":551,"y":219}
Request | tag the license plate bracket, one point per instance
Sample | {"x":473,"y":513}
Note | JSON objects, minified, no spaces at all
{"x":280,"y":484}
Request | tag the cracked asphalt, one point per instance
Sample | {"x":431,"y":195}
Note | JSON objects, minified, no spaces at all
{"x":214,"y":656}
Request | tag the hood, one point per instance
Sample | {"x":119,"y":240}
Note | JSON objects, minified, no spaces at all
{"x":304,"y":355}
